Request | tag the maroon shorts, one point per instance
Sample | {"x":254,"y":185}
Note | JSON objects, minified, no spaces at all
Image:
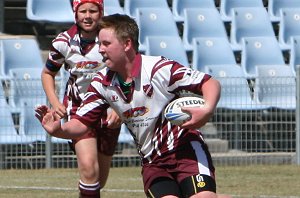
{"x":107,"y":139}
{"x":193,"y":159}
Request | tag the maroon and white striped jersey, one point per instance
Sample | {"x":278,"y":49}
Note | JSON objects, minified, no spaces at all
{"x":156,"y":82}
{"x":80,"y":59}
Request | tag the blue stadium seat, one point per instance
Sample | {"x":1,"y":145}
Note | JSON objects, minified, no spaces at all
{"x":295,"y":54}
{"x":275,"y":87}
{"x":113,"y":10}
{"x":26,"y":86}
{"x":112,"y":3}
{"x":131,"y":6}
{"x":289,"y":26}
{"x":178,"y":7}
{"x":212,"y":51}
{"x":235,"y":92}
{"x":226,"y":7}
{"x":168,"y":46}
{"x":112,"y":7}
{"x":274,"y":7}
{"x":249,"y":22}
{"x":155,"y":22}
{"x":30,"y":126}
{"x":27,"y":92}
{"x":52,"y":11}
{"x":198,"y":23}
{"x":258,"y":51}
{"x":20,"y":53}
{"x":8,"y":131}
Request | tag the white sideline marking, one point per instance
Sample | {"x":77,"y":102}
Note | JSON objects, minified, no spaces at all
{"x":64,"y":189}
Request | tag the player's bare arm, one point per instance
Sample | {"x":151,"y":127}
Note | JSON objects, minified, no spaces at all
{"x":52,"y":124}
{"x":48,"y":80}
{"x":200,"y":116}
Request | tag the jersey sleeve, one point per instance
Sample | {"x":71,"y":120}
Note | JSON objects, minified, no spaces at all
{"x":57,"y":52}
{"x":92,"y":108}
{"x":178,"y":78}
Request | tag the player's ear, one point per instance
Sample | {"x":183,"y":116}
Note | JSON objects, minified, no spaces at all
{"x":128,"y":44}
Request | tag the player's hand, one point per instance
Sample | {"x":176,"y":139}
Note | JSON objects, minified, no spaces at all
{"x":200,"y":116}
{"x":113,"y":120}
{"x":60,"y":110}
{"x":48,"y":118}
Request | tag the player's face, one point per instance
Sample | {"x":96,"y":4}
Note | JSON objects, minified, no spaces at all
{"x":112,"y":50}
{"x":88,"y":15}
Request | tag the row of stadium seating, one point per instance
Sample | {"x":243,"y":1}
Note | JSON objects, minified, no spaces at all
{"x":207,"y":51}
{"x":43,"y":10}
{"x":247,"y":18}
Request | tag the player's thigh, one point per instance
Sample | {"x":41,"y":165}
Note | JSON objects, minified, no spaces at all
{"x":86,"y":152}
{"x":195,"y":169}
{"x":198,"y":186}
{"x":164,"y":187}
{"x":104,"y":162}
{"x":107,"y":140}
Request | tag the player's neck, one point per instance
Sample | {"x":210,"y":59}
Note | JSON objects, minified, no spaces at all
{"x":88,"y":35}
{"x":126,"y":71}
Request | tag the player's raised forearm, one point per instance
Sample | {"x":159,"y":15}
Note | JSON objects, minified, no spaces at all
{"x":211,"y":93}
{"x":69,"y":130}
{"x":73,"y":129}
{"x":51,"y":122}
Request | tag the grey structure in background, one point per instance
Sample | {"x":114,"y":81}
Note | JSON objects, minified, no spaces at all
{"x":1,"y":16}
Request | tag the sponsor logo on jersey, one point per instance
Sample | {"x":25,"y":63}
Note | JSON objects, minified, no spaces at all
{"x":88,"y":64}
{"x":135,"y":112}
{"x":114,"y":98}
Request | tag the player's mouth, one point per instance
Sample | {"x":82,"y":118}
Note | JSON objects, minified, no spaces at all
{"x":104,"y":59}
{"x":88,"y":24}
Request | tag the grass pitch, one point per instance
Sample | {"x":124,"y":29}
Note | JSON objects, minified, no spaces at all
{"x":261,"y":181}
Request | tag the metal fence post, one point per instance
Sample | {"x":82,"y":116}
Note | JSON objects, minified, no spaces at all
{"x":298,"y":115}
{"x":48,"y":149}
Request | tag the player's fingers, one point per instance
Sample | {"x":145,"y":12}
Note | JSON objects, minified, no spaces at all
{"x":189,"y":124}
{"x":186,"y":109}
{"x":41,"y":107}
{"x":55,"y":116}
{"x":112,"y":124}
{"x":60,"y":114}
{"x":40,"y":112}
{"x":113,"y":121}
{"x":39,"y":117}
{"x":193,"y":123}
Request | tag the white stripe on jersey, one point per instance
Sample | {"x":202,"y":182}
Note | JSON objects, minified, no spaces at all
{"x":201,"y":157}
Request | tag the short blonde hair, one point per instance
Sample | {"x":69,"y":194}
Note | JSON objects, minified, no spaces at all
{"x":124,"y":26}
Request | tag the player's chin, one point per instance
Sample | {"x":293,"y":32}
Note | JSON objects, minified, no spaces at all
{"x":88,"y":27}
{"x":109,"y":64}
{"x":89,"y":30}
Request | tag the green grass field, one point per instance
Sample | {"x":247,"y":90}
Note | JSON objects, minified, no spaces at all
{"x":238,"y":181}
